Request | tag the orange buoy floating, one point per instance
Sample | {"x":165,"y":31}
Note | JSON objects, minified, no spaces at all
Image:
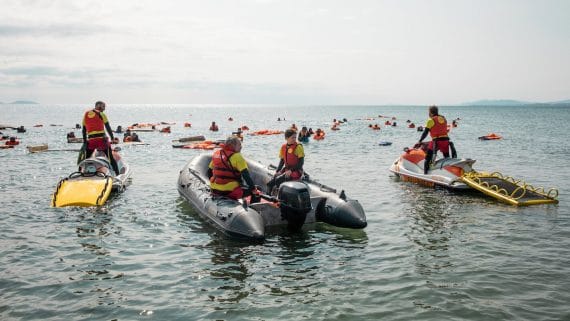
{"x":491,"y":136}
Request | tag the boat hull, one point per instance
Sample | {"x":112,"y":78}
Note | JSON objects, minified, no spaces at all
{"x":253,"y":220}
{"x":444,"y":172}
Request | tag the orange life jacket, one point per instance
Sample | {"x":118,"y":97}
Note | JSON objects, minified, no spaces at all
{"x":223,"y":172}
{"x":94,"y":124}
{"x":291,"y":160}
{"x":439,"y":128}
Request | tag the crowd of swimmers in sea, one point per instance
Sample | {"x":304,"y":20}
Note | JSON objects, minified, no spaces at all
{"x":303,"y":135}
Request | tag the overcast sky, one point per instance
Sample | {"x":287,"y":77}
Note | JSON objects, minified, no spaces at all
{"x":284,"y":52}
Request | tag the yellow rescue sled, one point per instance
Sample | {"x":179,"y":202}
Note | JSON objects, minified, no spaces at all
{"x":82,"y":191}
{"x":508,"y":189}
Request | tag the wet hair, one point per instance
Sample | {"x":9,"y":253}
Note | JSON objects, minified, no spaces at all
{"x":289,"y":132}
{"x":304,"y":128}
{"x":433,"y":110}
{"x":99,"y":104}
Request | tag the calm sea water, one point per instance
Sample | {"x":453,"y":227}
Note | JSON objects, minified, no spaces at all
{"x":426,"y":254}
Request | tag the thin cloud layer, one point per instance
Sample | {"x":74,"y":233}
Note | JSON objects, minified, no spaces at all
{"x":329,"y":52}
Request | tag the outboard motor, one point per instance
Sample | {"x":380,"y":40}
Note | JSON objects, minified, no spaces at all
{"x":295,"y":203}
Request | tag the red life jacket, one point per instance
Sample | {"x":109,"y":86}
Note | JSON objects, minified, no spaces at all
{"x":439,"y":128}
{"x":289,"y":156}
{"x":12,"y":143}
{"x":94,"y":124}
{"x":223,"y":172}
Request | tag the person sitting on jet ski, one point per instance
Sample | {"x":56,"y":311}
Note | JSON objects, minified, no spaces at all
{"x":227,"y":169}
{"x":436,"y":126}
{"x":292,"y":157}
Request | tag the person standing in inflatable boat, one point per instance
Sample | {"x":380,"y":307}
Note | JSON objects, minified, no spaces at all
{"x":227,"y":169}
{"x":291,"y":159}
{"x":436,"y":126}
{"x":94,"y":124}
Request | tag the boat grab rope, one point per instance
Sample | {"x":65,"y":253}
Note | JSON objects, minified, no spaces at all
{"x":206,"y":185}
{"x":107,"y":178}
{"x":54,"y":198}
{"x":517,"y":193}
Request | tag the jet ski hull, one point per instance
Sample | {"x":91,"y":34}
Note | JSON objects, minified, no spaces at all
{"x":445,"y":172}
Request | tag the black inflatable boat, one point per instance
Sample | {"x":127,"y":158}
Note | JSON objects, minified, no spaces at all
{"x":296,"y":203}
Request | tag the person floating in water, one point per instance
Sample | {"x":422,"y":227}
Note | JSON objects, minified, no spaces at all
{"x":304,"y":135}
{"x":238,"y":133}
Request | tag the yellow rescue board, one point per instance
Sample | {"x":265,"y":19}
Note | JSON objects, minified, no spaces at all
{"x":82,"y":192}
{"x":509,"y":190}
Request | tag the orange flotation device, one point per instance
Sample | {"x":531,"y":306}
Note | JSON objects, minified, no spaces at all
{"x":491,"y":136}
{"x":187,"y":125}
{"x":244,"y":127}
{"x":412,"y":125}
{"x":206,"y":145}
{"x":319,"y":136}
{"x":387,"y":123}
{"x":165,"y":130}
{"x":266,"y":132}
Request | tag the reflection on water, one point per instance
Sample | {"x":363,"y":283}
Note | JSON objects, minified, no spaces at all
{"x":286,"y":264}
{"x":94,"y":227}
{"x":432,"y":220}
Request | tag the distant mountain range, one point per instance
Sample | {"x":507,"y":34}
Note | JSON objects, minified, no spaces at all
{"x":510,"y":102}
{"x":21,"y":102}
{"x":24,"y":102}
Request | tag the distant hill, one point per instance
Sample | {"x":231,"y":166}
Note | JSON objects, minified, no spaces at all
{"x":510,"y":102}
{"x":497,"y":102}
{"x":561,"y":102}
{"x":23,"y":102}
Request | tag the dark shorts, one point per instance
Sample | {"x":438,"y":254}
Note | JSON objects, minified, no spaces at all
{"x":442,"y":146}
